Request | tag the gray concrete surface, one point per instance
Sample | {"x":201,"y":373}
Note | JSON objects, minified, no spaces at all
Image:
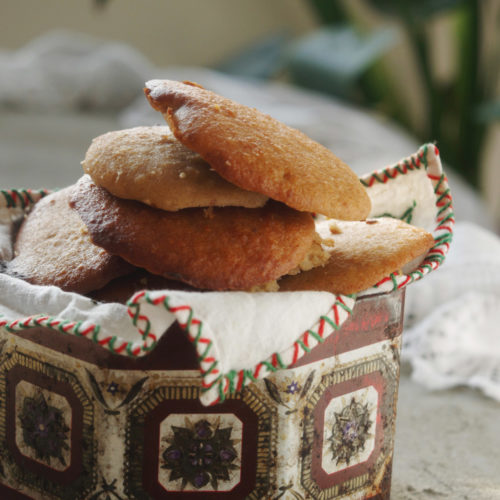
{"x":447,"y":442}
{"x":45,"y":151}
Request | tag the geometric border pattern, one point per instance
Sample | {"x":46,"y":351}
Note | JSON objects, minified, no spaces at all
{"x":80,"y":477}
{"x":278,"y":409}
{"x":143,"y":440}
{"x":368,"y":477}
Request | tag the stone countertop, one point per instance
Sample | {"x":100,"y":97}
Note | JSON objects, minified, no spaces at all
{"x":447,"y":444}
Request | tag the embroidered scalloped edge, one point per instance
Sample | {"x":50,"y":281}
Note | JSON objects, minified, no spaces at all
{"x":78,"y":328}
{"x":21,"y":198}
{"x":217,"y":386}
{"x":445,"y":218}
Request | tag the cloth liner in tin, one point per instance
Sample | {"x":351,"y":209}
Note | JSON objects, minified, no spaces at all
{"x":239,"y":337}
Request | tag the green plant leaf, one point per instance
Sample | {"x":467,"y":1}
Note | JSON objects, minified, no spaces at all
{"x":487,"y":112}
{"x":333,"y":58}
{"x":329,"y":11}
{"x":422,"y":8}
{"x":262,"y":60}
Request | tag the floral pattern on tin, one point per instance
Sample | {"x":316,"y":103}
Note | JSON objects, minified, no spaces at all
{"x":288,"y":391}
{"x":350,"y":431}
{"x":292,"y":387}
{"x":201,"y":453}
{"x":44,"y":429}
{"x":114,"y":388}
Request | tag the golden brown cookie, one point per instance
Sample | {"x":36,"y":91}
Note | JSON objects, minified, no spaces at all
{"x":316,"y":256}
{"x":363,"y":253}
{"x":54,"y":248}
{"x":149,"y":164}
{"x":228,"y":248}
{"x":258,"y":153}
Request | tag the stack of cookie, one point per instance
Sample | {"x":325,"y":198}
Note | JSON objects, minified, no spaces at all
{"x":221,"y":199}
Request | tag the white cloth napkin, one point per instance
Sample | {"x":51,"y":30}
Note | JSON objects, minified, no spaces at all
{"x":238,"y":336}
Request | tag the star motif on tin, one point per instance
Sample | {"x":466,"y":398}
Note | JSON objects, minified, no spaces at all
{"x":113,"y":388}
{"x":44,"y":428}
{"x":292,"y":387}
{"x":200,"y":453}
{"x":350,"y":431}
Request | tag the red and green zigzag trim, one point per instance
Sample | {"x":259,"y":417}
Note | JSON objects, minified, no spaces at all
{"x":78,"y":328}
{"x":216,"y":386}
{"x":21,"y":198}
{"x":445,"y":219}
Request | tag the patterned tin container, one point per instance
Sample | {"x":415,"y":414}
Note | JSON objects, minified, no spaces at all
{"x":79,"y":422}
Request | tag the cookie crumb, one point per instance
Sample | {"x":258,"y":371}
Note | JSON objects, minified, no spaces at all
{"x":317,"y":256}
{"x":270,"y":286}
{"x":334,"y":229}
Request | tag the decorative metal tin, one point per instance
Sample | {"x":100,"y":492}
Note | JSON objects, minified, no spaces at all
{"x":79,"y":422}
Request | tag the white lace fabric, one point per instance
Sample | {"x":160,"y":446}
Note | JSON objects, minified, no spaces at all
{"x":452,"y":318}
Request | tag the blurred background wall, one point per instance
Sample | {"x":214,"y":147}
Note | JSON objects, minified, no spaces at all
{"x":192,"y":32}
{"x":431,"y":66}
